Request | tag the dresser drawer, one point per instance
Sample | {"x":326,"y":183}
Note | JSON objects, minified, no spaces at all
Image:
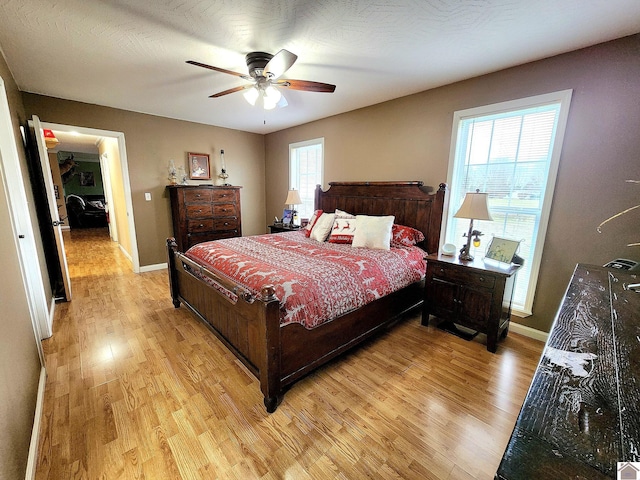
{"x":223,"y":196}
{"x":204,"y":225}
{"x":469,"y":278}
{"x":225,"y":210}
{"x":225,"y":223}
{"x":199,"y":211}
{"x":200,"y":195}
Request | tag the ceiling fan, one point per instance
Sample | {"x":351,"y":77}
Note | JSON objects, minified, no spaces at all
{"x":264,"y":74}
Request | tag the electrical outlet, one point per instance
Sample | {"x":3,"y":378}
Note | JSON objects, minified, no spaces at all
{"x":147,"y":196}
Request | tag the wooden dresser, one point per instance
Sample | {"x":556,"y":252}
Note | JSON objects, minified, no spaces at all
{"x":204,"y":212}
{"x":581,"y":414}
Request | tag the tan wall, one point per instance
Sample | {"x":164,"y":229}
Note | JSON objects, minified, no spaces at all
{"x":409,"y":139}
{"x":150,"y":143}
{"x":19,"y":359}
{"x":117,"y":211}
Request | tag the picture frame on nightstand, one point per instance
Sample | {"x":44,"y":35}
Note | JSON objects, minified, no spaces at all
{"x":502,"y":250}
{"x":287,"y":216}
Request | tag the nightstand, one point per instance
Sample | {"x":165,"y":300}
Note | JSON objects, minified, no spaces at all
{"x":475,"y":295}
{"x":283,"y":227}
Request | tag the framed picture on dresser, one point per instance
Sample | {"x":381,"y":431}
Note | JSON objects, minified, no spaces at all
{"x":199,"y":166}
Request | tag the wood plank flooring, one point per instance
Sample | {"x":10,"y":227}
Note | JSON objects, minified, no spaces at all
{"x":137,"y":389}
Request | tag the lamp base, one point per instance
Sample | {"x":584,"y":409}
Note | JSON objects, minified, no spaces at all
{"x":465,"y":256}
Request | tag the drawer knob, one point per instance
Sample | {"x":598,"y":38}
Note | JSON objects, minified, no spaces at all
{"x":201,"y":225}
{"x":482,"y":279}
{"x":198,"y":195}
{"x":442,"y":270}
{"x":226,"y":223}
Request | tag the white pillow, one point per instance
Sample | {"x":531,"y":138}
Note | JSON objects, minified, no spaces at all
{"x":373,"y":232}
{"x":323,"y":226}
{"x":342,"y":214}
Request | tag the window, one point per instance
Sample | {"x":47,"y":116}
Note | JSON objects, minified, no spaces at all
{"x":305,"y":172}
{"x":511,"y":151}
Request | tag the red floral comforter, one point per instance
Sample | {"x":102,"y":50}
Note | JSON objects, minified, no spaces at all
{"x":315,"y":282}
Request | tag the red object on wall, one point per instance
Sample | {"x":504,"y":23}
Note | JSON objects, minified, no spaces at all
{"x":50,"y":139}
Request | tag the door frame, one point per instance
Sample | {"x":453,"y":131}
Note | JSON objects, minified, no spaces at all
{"x":108,"y":193}
{"x":119,"y":136}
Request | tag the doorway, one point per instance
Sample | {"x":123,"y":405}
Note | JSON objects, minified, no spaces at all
{"x":110,"y":154}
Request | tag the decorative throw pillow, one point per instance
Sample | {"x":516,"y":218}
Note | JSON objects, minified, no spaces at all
{"x":373,"y":232}
{"x":343,"y":230}
{"x":405,"y":236}
{"x":322,"y":228}
{"x":312,"y":221}
{"x":343,"y":214}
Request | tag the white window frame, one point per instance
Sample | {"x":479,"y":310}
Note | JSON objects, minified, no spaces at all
{"x":294,"y":178}
{"x":564,"y":98}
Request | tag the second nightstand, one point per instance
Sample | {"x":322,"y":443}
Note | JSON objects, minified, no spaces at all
{"x":475,"y":295}
{"x":282,"y":227}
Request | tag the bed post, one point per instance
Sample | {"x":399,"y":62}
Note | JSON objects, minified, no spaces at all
{"x":316,"y":197}
{"x":435,"y":220}
{"x":270,"y":370}
{"x":172,"y":247}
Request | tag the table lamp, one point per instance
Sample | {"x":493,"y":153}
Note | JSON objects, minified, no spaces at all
{"x":473,"y":207}
{"x":293,"y":199}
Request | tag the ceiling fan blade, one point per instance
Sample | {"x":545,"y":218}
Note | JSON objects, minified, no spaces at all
{"x":279,"y":63}
{"x":231,"y":90}
{"x":218,"y":69}
{"x":306,"y":85}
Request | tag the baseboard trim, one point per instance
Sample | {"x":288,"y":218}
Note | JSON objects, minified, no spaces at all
{"x":51,"y":315}
{"x":32,"y":460}
{"x":151,"y":268}
{"x":528,"y":332}
{"x":126,"y":254}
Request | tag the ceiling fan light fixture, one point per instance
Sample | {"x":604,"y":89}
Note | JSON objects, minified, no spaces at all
{"x":273,"y":94}
{"x":251,"y":95}
{"x":271,"y":97}
{"x":269,"y":104}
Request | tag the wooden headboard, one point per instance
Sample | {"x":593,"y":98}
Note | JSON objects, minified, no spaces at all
{"x":410,"y":202}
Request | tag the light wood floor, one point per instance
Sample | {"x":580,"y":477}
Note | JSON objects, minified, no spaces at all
{"x":139,"y":389}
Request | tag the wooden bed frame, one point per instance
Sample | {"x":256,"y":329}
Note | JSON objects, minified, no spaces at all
{"x":250,"y":327}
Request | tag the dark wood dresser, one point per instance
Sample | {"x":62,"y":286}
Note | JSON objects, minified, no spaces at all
{"x":204,"y":212}
{"x":580,"y":416}
{"x":476,"y":295}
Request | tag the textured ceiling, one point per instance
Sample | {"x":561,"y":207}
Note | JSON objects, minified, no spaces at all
{"x":131,"y":54}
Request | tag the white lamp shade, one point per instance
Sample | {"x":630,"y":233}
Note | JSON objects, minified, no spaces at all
{"x":475,"y":207}
{"x":293,"y":198}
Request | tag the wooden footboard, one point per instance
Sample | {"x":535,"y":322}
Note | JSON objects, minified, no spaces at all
{"x":249,"y":326}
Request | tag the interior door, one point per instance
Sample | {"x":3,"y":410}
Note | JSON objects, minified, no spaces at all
{"x":53,"y":205}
